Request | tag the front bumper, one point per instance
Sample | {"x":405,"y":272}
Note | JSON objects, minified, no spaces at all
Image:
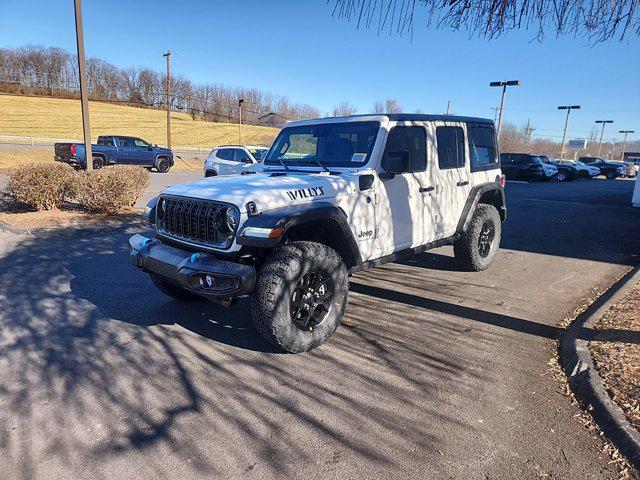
{"x":201,"y":273}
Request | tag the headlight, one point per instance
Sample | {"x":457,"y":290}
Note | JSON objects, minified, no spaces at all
{"x":228,"y":219}
{"x":621,"y":170}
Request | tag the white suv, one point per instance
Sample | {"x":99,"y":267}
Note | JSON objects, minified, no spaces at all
{"x":233,"y":159}
{"x":334,"y":196}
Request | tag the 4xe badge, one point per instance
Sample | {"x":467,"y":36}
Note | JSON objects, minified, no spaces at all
{"x":301,"y":193}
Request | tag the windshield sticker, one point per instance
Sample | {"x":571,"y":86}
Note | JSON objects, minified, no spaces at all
{"x":358,"y":157}
{"x":305,"y":193}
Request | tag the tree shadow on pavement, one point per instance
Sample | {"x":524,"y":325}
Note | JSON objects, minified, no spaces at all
{"x":99,"y":372}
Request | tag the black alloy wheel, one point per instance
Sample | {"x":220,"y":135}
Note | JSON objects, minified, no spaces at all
{"x":311,"y":299}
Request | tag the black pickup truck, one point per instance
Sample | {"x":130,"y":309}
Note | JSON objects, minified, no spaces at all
{"x":116,"y":149}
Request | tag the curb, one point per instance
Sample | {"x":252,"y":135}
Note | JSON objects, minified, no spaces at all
{"x":584,"y":379}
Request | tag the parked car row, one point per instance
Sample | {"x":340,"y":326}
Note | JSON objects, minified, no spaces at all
{"x":530,"y":167}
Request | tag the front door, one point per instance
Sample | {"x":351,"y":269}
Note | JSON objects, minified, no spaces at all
{"x":404,"y":201}
{"x":143,"y":154}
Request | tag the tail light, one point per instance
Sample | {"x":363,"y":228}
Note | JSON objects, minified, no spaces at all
{"x":72,"y":148}
{"x":503,"y":180}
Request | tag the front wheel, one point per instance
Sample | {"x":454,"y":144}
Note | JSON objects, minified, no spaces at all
{"x":478,"y":246}
{"x":163,"y":165}
{"x":300,"y":296}
{"x":610,"y":176}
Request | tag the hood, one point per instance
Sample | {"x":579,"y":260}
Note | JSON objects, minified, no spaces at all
{"x":162,"y":150}
{"x":265,"y":190}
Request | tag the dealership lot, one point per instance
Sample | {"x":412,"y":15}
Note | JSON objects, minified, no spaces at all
{"x":434,"y":372}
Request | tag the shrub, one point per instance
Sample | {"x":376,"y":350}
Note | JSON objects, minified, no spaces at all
{"x":41,"y":186}
{"x":111,"y":189}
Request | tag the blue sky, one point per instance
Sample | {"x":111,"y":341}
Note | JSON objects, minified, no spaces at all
{"x":296,"y":48}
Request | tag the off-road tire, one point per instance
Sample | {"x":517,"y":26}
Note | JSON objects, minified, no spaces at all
{"x":466,"y":249}
{"x":163,"y":165}
{"x":171,"y":290}
{"x":277,"y":280}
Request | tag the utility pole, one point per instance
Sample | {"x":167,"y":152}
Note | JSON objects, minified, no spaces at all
{"x":568,"y":108}
{"x":603,"y":122}
{"x":240,"y":102}
{"x":504,"y":85}
{"x":84,"y":100}
{"x":448,"y":106}
{"x":495,"y":114}
{"x":168,"y":57}
{"x":624,"y":143}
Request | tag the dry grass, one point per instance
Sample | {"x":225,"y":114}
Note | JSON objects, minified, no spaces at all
{"x":618,"y":361}
{"x":61,"y":118}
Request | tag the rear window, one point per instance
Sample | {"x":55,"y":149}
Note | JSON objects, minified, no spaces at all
{"x":105,"y":141}
{"x":482,"y":147}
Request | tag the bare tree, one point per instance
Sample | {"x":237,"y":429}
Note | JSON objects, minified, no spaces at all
{"x":392,"y":106}
{"x":343,"y":110}
{"x":378,"y":107}
{"x":597,"y":20}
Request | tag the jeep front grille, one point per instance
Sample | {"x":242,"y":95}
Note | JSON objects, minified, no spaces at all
{"x":192,"y":221}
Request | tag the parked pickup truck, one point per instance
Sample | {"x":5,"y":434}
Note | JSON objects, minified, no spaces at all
{"x":116,"y":149}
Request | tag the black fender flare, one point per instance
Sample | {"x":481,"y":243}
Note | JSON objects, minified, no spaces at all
{"x":293,"y":215}
{"x":473,"y":199}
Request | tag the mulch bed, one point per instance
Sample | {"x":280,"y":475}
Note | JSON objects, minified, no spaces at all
{"x":70,"y":215}
{"x":616,"y":352}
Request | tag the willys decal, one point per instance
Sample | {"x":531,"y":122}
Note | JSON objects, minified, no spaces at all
{"x":301,"y":193}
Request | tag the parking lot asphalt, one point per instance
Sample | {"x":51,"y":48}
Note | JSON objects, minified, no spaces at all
{"x":434,"y":373}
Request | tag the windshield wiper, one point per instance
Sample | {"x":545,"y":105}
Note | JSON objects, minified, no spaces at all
{"x":283,"y":164}
{"x":320,"y":164}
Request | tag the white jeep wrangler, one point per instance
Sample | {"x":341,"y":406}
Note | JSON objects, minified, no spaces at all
{"x":336,"y":196}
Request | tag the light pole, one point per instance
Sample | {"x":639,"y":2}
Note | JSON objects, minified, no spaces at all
{"x":568,"y":108}
{"x":240,"y":102}
{"x":624,"y":143}
{"x":82,"y":71}
{"x":603,"y":122}
{"x":504,"y":85}
{"x":168,"y":57}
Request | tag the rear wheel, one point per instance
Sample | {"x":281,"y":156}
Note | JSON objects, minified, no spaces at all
{"x":300,"y":296}
{"x":478,"y":246}
{"x":163,"y":165}
{"x":98,"y":163}
{"x":171,"y":290}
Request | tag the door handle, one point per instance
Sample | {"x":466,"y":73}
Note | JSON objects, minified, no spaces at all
{"x":426,"y":189}
{"x":462,"y":183}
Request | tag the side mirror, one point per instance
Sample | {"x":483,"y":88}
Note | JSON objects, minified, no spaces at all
{"x":150,"y":147}
{"x":396,"y":161}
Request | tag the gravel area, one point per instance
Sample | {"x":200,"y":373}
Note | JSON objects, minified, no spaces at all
{"x":616,"y":352}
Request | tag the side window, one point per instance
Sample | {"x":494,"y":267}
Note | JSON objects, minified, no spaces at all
{"x":450,"y":142}
{"x":242,"y":156}
{"x":105,"y":141}
{"x":406,"y":150}
{"x":140,"y":143}
{"x":482,"y":146}
{"x":125,"y":142}
{"x":225,"y":154}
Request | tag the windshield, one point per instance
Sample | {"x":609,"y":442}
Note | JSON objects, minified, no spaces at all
{"x":346,"y":144}
{"x":258,"y":153}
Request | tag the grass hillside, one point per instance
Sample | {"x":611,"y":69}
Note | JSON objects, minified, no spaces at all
{"x":62,"y":118}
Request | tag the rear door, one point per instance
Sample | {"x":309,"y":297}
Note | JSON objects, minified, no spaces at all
{"x":126,"y":150}
{"x":224,"y":159}
{"x":454,"y":174}
{"x":483,"y":153}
